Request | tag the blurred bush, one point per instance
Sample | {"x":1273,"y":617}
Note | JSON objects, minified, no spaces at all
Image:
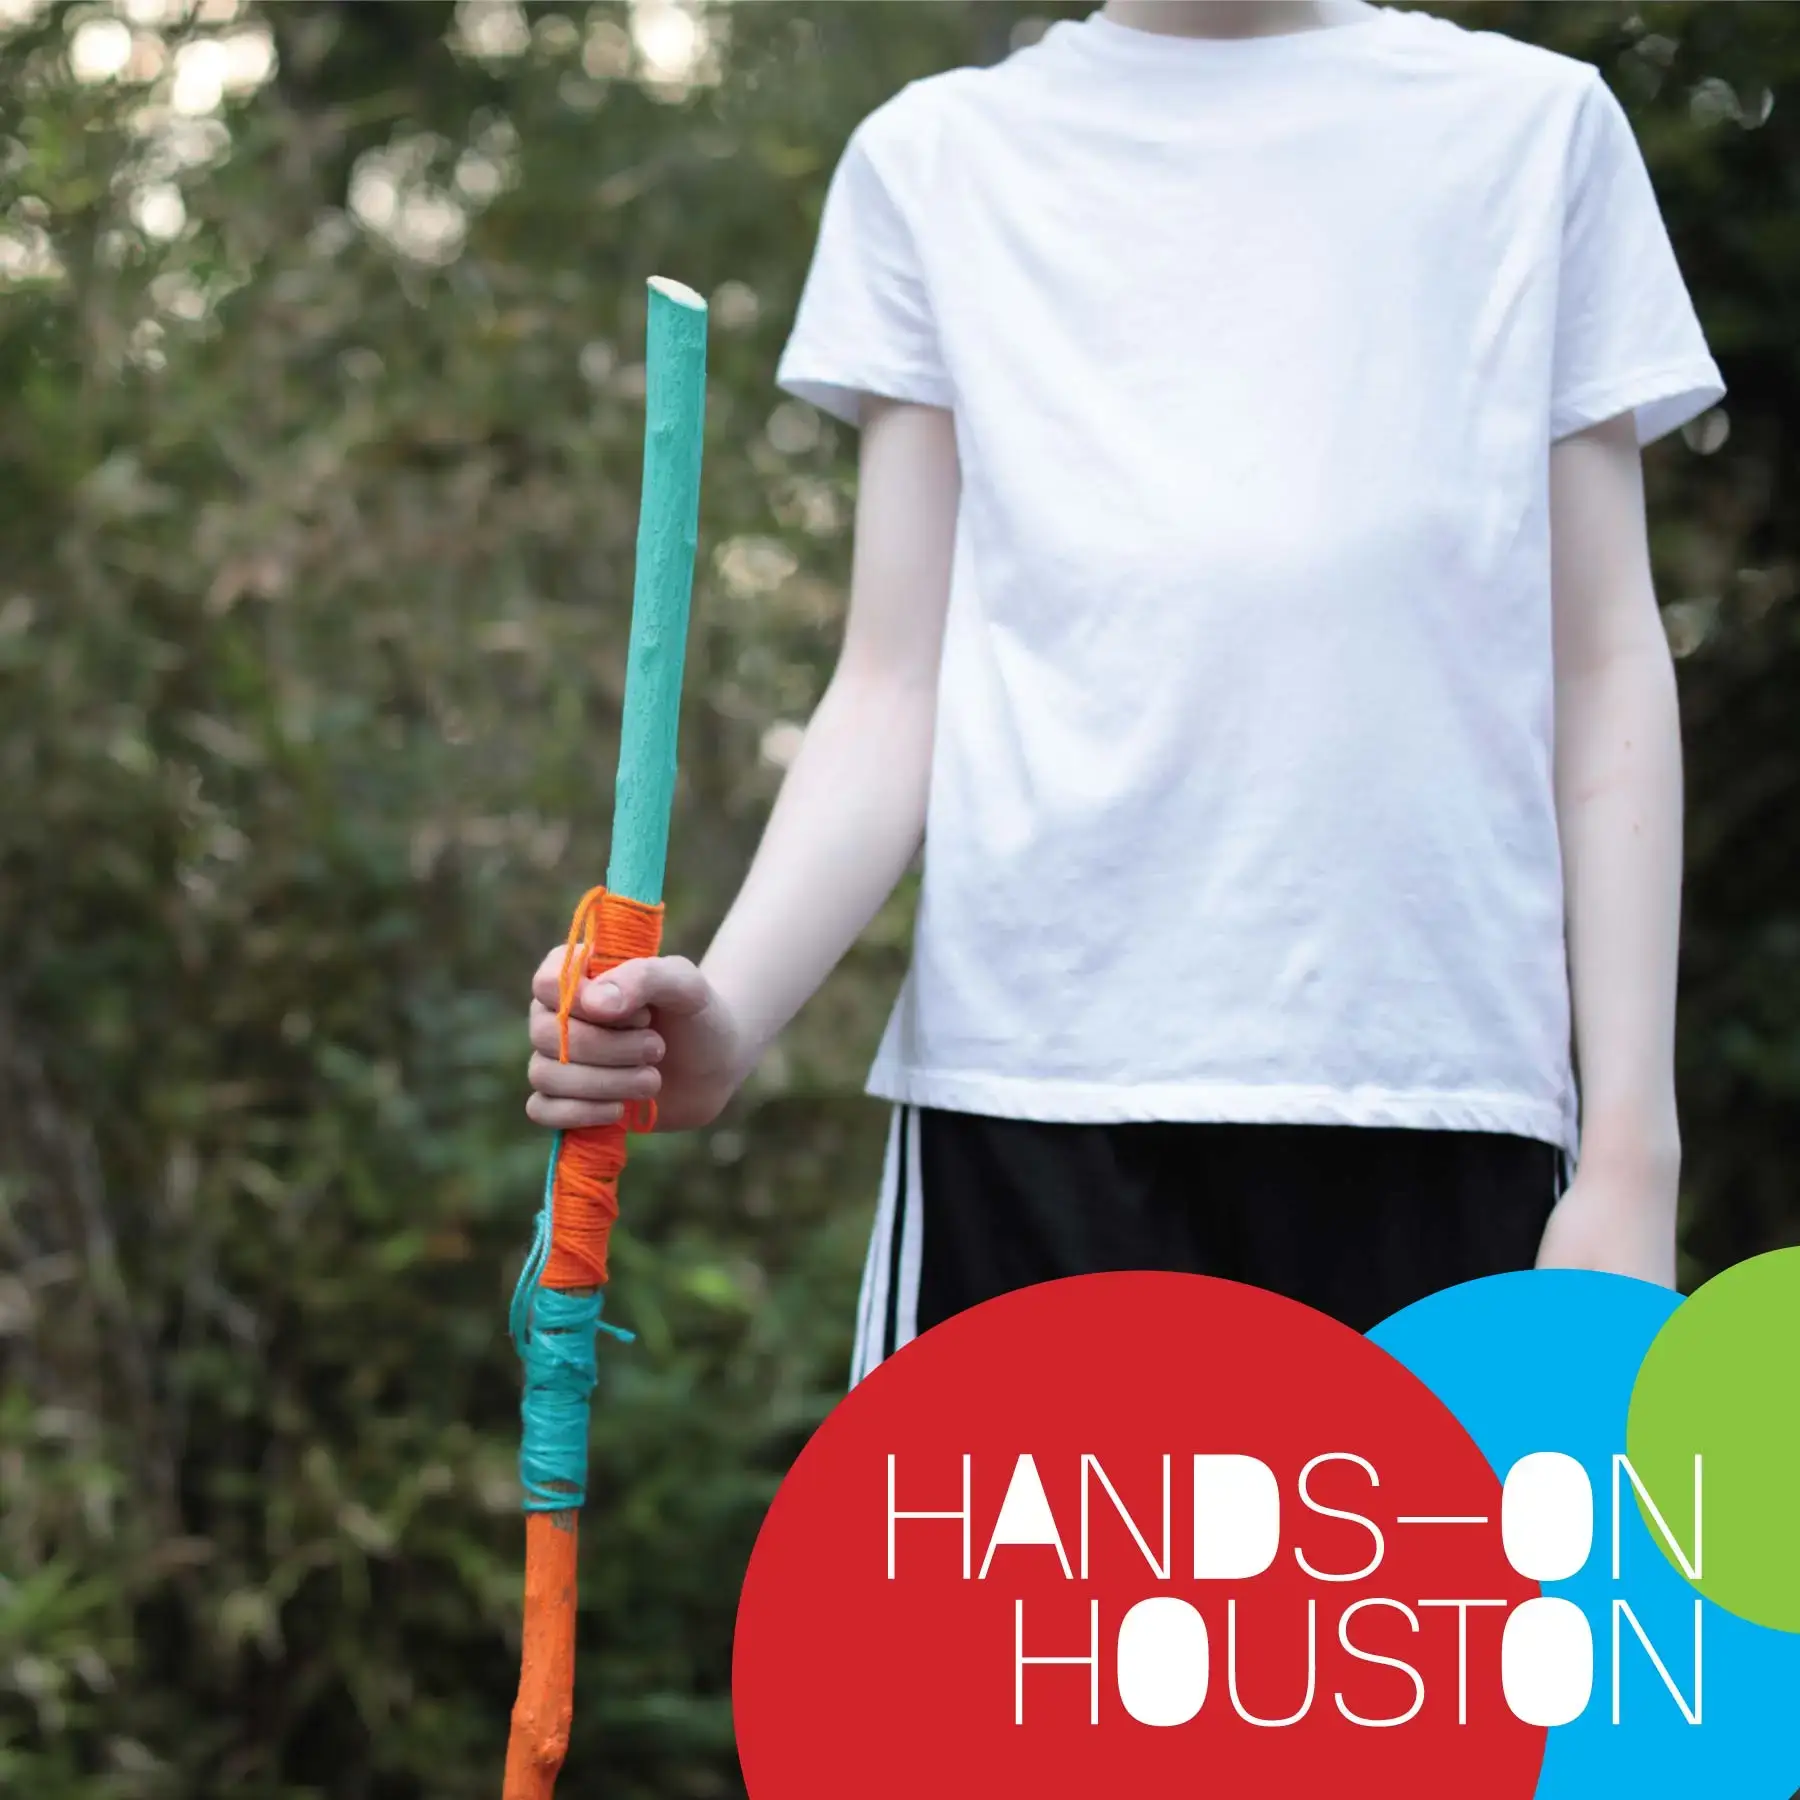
{"x":319,"y":338}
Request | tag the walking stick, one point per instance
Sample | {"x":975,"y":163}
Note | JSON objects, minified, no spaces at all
{"x":556,"y":1309}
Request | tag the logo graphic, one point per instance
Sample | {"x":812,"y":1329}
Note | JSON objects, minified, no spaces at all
{"x":1703,"y":1398}
{"x":1121,"y":1532}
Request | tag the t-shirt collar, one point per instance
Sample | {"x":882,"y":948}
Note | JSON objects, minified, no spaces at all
{"x":1103,"y":37}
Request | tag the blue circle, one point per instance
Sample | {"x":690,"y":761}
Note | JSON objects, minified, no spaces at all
{"x":1545,"y":1360}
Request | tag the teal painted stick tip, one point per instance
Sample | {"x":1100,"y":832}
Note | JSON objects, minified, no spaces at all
{"x":676,"y":291}
{"x":668,"y":528}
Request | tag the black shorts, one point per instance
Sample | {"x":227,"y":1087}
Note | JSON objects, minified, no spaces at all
{"x":1354,"y":1220}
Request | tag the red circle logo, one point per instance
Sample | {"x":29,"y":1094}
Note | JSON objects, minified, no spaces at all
{"x":1137,"y":1533}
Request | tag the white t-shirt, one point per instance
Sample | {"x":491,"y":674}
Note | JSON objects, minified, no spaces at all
{"x":1241,"y":803}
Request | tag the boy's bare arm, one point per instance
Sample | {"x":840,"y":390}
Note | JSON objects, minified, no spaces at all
{"x":1618,"y":784}
{"x":848,"y":819}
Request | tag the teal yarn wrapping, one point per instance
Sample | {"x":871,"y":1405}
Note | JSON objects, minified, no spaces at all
{"x":555,"y":1335}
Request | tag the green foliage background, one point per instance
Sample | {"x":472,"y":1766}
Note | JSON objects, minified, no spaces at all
{"x":319,"y":429}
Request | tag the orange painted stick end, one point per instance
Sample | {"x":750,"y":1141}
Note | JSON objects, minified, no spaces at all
{"x":546,"y":1703}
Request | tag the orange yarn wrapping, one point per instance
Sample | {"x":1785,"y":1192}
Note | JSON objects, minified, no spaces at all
{"x":584,"y":1198}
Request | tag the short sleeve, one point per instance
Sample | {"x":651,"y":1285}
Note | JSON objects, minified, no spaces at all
{"x":864,"y":324}
{"x":1627,"y":338}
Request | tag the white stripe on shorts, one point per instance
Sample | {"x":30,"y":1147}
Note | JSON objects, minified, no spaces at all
{"x":871,"y":1305}
{"x":887,"y":1311}
{"x":912,"y":1241}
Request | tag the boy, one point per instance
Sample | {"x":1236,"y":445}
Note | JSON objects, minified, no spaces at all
{"x":1251,"y":607}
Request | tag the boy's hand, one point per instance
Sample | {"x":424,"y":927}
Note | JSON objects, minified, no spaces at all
{"x":1614,"y":1222}
{"x":650,"y":1029}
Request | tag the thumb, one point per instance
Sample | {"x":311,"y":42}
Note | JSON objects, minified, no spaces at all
{"x":669,"y":983}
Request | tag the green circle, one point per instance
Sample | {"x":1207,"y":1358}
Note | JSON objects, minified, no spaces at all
{"x":1721,"y":1381}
